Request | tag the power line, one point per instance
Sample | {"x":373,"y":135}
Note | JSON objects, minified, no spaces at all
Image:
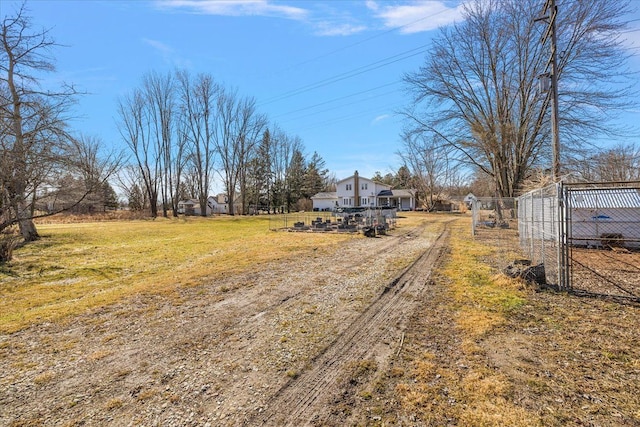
{"x":344,"y":118}
{"x":338,"y":77}
{"x":340,"y":106}
{"x":352,"y":73}
{"x":375,"y":36}
{"x":339,"y":99}
{"x":349,"y":74}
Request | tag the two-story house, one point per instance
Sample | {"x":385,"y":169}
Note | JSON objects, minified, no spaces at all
{"x":356,"y":191}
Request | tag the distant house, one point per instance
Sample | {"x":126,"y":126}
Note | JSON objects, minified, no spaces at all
{"x":356,"y":191}
{"x":215,"y":205}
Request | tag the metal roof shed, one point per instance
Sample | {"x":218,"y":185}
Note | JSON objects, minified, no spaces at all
{"x":599,"y":215}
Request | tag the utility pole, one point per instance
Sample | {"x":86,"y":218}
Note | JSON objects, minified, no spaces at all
{"x":549,"y":12}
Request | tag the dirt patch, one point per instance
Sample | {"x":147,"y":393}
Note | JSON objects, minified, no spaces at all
{"x":572,"y":359}
{"x":341,"y":337}
{"x":326,"y":392}
{"x":214,"y":354}
{"x":610,"y":271}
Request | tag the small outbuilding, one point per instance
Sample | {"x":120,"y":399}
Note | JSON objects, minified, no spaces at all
{"x":605,"y":215}
{"x":325,"y":201}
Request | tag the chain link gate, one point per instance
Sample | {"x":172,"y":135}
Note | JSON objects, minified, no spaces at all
{"x":587,"y":236}
{"x":601,"y":245}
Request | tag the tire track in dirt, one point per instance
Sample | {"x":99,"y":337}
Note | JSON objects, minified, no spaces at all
{"x":212,"y":353}
{"x":246,"y":306}
{"x":302,"y":401}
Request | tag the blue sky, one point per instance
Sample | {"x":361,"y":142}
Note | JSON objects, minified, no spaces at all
{"x":327,"y":71}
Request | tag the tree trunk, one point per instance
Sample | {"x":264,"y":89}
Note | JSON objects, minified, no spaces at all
{"x":25,"y":223}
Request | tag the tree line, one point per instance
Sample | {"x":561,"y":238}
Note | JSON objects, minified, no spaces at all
{"x":185,"y":130}
{"x":181,"y":131}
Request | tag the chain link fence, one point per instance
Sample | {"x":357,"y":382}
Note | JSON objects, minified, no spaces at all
{"x":585,"y":235}
{"x":603,"y":238}
{"x":495,"y":222}
{"x":538,"y":222}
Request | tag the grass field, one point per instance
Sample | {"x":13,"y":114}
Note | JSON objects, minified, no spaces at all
{"x":482,"y":349}
{"x":79,"y":266}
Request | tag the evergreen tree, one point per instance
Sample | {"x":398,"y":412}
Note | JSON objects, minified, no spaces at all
{"x":315,"y":176}
{"x":295,"y":178}
{"x":109,"y":197}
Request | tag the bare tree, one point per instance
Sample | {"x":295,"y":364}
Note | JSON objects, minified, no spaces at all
{"x":283,"y":148}
{"x":131,"y":184}
{"x":431,"y":165}
{"x":617,"y":164}
{"x":236,"y":131}
{"x":198,"y":107}
{"x":134,"y":127}
{"x":478,"y":89}
{"x":35,"y":144}
{"x":159,"y":95}
{"x":80,"y":180}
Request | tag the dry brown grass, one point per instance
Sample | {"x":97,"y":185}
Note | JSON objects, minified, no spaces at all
{"x":514,"y":356}
{"x":76,"y":267}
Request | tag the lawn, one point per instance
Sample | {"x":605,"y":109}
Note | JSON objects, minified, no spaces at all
{"x":80,"y":266}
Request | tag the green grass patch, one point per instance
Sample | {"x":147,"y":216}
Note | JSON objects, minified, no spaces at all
{"x":76,"y":267}
{"x":484,"y":297}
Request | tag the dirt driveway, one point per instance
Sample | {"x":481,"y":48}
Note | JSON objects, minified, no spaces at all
{"x":280,"y":346}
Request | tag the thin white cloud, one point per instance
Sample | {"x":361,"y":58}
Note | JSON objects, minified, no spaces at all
{"x":332,"y":22}
{"x":168,"y":53}
{"x":334,"y":29}
{"x":416,"y":16}
{"x":159,"y":46}
{"x":372,"y":5}
{"x":236,"y":8}
{"x":380,"y":118}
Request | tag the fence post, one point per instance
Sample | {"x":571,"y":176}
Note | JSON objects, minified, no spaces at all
{"x":474,"y":210}
{"x":560,"y":226}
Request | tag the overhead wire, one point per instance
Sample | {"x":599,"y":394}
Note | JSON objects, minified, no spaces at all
{"x":338,"y":99}
{"x":334,"y":108}
{"x":344,"y":118}
{"x":351,"y":73}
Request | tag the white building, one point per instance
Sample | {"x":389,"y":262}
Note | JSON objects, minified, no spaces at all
{"x":215,"y":205}
{"x":356,"y":191}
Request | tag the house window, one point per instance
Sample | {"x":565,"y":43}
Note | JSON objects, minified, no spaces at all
{"x":364,"y":201}
{"x":348,"y":187}
{"x":364,"y":186}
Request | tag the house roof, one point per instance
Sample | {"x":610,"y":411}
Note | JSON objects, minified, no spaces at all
{"x":326,"y":195}
{"x":403,"y":193}
{"x":616,"y":198}
{"x":351,"y":177}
